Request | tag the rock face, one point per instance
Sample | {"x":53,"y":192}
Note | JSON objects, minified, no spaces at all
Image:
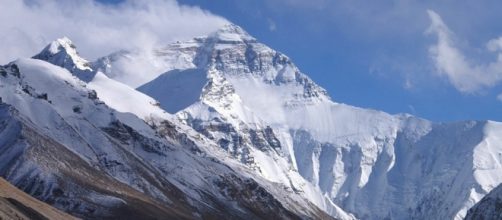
{"x":266,"y":114}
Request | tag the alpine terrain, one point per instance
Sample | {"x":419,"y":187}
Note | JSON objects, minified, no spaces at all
{"x":224,"y":127}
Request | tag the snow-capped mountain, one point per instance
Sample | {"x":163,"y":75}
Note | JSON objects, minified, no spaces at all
{"x":69,"y":143}
{"x":224,"y":127}
{"x":62,"y":52}
{"x":257,"y":106}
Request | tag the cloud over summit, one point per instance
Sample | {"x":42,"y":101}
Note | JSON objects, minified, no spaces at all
{"x":97,"y":29}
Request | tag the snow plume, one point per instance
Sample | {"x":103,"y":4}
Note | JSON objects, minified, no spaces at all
{"x":97,"y":28}
{"x":464,"y":74}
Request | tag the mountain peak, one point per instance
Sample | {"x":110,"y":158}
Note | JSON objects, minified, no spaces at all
{"x":62,"y":43}
{"x":232,"y":33}
{"x":62,"y":52}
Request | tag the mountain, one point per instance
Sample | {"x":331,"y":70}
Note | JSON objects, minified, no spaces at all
{"x":69,"y":143}
{"x":224,"y":127}
{"x":62,"y":52}
{"x":257,"y":105}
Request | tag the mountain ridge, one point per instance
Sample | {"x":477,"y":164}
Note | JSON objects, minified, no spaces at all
{"x":124,"y":146}
{"x":260,"y":108}
{"x":259,"y":114}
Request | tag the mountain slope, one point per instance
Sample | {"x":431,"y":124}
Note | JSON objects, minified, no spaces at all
{"x":15,"y":204}
{"x":60,"y":155}
{"x":266,"y":114}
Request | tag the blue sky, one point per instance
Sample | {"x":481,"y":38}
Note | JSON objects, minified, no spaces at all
{"x":376,"y":55}
{"x":434,"y":59}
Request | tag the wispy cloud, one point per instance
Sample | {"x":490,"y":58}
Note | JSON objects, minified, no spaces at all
{"x":271,"y":25}
{"x":96,"y":28}
{"x":463,"y":73}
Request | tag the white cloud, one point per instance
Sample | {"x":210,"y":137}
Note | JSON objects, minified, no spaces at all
{"x":271,"y":25}
{"x":97,"y":29}
{"x":463,"y":73}
{"x":408,"y":84}
{"x":495,"y":44}
{"x":499,"y":97}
